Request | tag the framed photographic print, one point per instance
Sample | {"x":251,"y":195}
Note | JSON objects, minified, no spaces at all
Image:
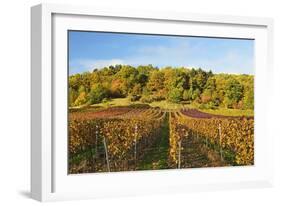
{"x":135,"y":102}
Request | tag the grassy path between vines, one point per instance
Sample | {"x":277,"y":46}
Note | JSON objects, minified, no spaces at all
{"x":157,"y":157}
{"x":195,"y":153}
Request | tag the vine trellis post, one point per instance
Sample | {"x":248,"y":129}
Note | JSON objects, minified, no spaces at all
{"x":97,"y":133}
{"x":135,"y":152}
{"x":179,"y":155}
{"x":220,"y":140}
{"x":106,"y":155}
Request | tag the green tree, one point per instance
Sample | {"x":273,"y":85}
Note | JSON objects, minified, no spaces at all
{"x":98,"y":93}
{"x":248,"y":100}
{"x":155,"y":81}
{"x":137,"y":90}
{"x":72,"y":96}
{"x":195,"y":94}
{"x":128,"y":76}
{"x":233,"y":93}
{"x":209,"y":93}
{"x":175,"y":95}
{"x":81,"y":99}
{"x":185,"y":95}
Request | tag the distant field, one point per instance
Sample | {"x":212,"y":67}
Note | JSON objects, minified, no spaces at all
{"x":229,"y":112}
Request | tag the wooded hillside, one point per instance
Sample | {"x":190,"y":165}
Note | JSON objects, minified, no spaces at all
{"x":148,"y":84}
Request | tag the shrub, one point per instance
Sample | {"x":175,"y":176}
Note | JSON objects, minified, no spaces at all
{"x":175,"y":95}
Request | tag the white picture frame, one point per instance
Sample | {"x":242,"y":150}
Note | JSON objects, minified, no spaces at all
{"x":49,"y":179}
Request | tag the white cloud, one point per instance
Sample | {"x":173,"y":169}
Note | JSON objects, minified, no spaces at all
{"x":100,"y":63}
{"x":90,"y":64}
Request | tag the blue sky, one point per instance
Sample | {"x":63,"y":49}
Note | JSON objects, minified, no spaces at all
{"x":89,"y":50}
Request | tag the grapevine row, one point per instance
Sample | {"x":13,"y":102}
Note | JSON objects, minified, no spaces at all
{"x":124,"y":137}
{"x":231,"y":134}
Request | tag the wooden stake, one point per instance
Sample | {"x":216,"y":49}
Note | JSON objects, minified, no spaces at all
{"x":220,"y":140}
{"x":97,"y":140}
{"x":136,"y":133}
{"x":106,"y":154}
{"x":179,"y":155}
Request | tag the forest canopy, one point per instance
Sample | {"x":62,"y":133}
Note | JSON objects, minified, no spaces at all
{"x":174,"y":84}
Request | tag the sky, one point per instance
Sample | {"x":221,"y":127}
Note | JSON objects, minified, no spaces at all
{"x":90,"y":50}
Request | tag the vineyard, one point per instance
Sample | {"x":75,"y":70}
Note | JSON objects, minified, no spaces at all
{"x":129,"y":139}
